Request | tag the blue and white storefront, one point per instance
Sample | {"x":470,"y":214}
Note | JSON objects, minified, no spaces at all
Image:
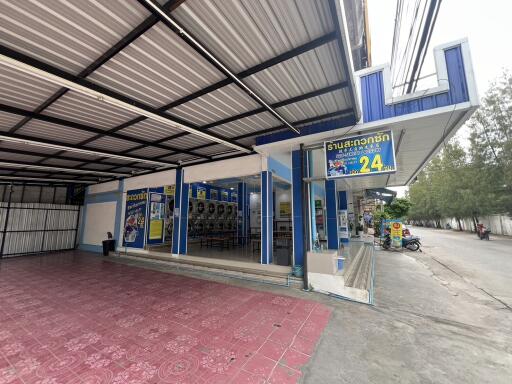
{"x":419,"y":123}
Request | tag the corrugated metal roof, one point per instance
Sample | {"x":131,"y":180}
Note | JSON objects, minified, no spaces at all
{"x":245,"y":33}
{"x":23,"y":147}
{"x":62,"y":162}
{"x":67,"y":34}
{"x":217,"y":105}
{"x":8,"y":120}
{"x":150,"y":130}
{"x":18,"y":157}
{"x":157,"y":68}
{"x":112,"y":144}
{"x":79,"y":108}
{"x":305,"y":73}
{"x":254,"y":123}
{"x":45,"y":130}
{"x":188,"y":141}
{"x":316,"y":106}
{"x":149,"y":152}
{"x":23,"y":91}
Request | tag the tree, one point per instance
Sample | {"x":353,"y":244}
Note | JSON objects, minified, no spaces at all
{"x":398,"y":209}
{"x":469,"y":185}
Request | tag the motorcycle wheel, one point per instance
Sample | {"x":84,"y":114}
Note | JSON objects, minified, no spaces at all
{"x":413,"y":246}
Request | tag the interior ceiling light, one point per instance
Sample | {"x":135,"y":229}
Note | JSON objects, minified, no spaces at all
{"x":31,"y":70}
{"x":71,"y":181}
{"x":83,"y":151}
{"x":62,"y":169}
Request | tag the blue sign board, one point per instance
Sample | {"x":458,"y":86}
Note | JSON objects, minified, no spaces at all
{"x":362,"y":155}
{"x":135,"y":218}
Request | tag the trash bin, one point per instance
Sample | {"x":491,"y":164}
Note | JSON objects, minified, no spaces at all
{"x":108,"y":245}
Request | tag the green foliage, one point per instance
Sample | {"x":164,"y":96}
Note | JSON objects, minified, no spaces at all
{"x":398,"y":209}
{"x":460,"y":185}
{"x":377,"y":221}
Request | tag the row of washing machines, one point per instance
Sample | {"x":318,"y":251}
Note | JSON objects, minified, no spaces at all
{"x":205,"y":216}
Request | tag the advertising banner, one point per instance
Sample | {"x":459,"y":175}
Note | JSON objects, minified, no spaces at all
{"x":169,"y":190}
{"x":214,"y":194}
{"x":201,"y":192}
{"x":285,"y":209}
{"x":135,"y":218}
{"x":396,"y":233}
{"x":362,"y":155}
{"x":234,"y":197}
{"x":224,"y":195}
{"x":343,"y":224}
{"x":156,"y":217}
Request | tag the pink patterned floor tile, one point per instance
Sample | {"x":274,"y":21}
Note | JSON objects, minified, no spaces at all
{"x":260,"y":365}
{"x":78,"y":319}
{"x":284,"y":375}
{"x":303,"y":345}
{"x":272,"y":350}
{"x":294,"y":359}
{"x":244,"y":377}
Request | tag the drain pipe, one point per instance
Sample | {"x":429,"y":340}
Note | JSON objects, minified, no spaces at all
{"x":305,"y":227}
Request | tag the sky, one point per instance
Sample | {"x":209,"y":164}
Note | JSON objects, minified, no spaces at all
{"x":487,"y":25}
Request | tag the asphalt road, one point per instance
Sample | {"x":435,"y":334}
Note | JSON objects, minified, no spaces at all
{"x":487,"y":265}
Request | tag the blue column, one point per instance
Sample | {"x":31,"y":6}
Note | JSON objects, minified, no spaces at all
{"x":180,"y":215}
{"x":343,"y":204}
{"x":331,"y":208}
{"x":266,"y":217}
{"x":297,"y":207}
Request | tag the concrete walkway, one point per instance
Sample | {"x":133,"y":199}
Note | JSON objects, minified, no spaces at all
{"x":429,"y":325}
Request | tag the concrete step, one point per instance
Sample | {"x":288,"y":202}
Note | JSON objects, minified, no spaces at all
{"x":204,"y":267}
{"x":359,"y":272}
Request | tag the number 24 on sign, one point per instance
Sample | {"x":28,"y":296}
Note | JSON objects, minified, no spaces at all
{"x":376,"y":163}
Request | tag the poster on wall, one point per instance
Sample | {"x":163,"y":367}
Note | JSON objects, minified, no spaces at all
{"x":135,"y":218}
{"x":224,"y":195}
{"x":343,"y":224}
{"x":169,"y":190}
{"x":214,"y":194}
{"x":285,"y":209}
{"x":156,"y":216}
{"x":362,"y":155}
{"x":201,"y":192}
{"x":234,"y":197}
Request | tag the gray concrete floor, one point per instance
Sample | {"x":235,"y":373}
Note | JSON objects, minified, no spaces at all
{"x":436,"y":318}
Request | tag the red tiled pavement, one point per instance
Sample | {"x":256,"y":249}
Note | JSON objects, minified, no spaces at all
{"x":75,"y":318}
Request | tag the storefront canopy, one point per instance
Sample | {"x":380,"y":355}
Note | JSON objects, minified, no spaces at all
{"x":99,"y":90}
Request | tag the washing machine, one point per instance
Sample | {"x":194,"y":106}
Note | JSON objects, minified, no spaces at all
{"x":211,"y":209}
{"x":200,"y":207}
{"x":221,"y":210}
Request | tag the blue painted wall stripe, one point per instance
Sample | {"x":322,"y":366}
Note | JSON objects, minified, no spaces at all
{"x":266,"y":217}
{"x":332,"y":222}
{"x":298,"y":220}
{"x":373,"y":99}
{"x":176,"y":220}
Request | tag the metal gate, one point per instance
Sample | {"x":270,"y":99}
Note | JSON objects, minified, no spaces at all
{"x":32,"y":228}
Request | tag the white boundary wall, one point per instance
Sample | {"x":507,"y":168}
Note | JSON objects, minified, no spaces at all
{"x":498,"y":224}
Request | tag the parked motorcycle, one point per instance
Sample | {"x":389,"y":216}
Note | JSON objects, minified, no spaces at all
{"x":482,"y":232}
{"x":412,"y":242}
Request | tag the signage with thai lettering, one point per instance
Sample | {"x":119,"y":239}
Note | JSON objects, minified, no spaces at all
{"x":362,"y":155}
